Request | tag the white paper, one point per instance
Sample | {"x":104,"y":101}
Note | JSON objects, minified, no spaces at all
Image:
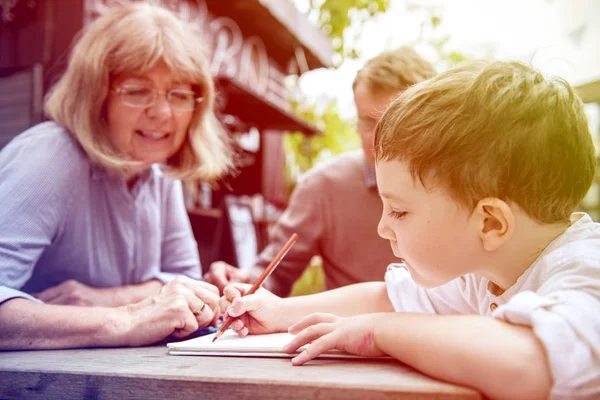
{"x":230,"y":344}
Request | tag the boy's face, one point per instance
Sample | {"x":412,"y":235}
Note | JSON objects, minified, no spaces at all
{"x":433,"y":235}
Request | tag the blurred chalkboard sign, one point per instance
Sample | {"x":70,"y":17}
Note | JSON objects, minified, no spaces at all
{"x":237,"y":233}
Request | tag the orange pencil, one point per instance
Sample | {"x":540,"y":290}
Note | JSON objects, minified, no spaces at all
{"x":261,"y":279}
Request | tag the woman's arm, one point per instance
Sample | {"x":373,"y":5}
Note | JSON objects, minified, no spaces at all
{"x":27,"y":325}
{"x":179,"y":309}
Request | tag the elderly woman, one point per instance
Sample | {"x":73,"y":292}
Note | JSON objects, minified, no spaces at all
{"x":95,"y":245}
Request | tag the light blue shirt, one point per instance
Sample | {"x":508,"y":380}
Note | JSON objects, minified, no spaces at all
{"x":62,"y":217}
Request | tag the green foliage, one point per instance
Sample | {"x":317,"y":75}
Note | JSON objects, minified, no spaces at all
{"x":336,"y":15}
{"x":431,"y":35}
{"x":302,"y":151}
{"x":338,"y":136}
{"x":435,"y":21}
{"x":311,"y":281}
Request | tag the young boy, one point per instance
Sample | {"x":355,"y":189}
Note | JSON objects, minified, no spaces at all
{"x":479,"y":170}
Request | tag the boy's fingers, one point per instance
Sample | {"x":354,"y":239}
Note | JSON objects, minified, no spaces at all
{"x":232,"y":291}
{"x":238,"y":327}
{"x":245,"y":304}
{"x":224,"y":304}
{"x":316,"y":348}
{"x":311,"y":319}
{"x":243,"y":288}
{"x":237,"y":324}
{"x":308,"y":335}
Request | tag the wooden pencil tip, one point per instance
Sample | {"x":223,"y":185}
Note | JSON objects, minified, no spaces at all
{"x":215,"y":338}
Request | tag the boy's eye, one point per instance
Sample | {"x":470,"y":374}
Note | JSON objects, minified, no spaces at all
{"x":397,"y":214}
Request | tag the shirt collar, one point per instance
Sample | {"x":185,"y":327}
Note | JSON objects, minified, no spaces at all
{"x":581,"y":227}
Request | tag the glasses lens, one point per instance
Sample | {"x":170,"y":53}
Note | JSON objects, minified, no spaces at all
{"x":137,"y":96}
{"x":182,"y":99}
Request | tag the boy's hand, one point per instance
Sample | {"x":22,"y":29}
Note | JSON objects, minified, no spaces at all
{"x":254,"y":314}
{"x":327,"y":331}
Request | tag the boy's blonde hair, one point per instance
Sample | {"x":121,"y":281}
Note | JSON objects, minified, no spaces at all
{"x":394,"y":71}
{"x":134,"y":38}
{"x":494,"y":129}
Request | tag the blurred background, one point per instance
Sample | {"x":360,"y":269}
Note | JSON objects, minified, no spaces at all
{"x":284,"y":71}
{"x":559,"y":37}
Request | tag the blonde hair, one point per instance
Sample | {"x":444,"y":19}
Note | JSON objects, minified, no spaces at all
{"x":494,"y":129}
{"x":134,"y":38}
{"x":394,"y":71}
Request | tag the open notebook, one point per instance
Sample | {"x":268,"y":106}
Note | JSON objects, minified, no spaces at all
{"x":232,"y":345}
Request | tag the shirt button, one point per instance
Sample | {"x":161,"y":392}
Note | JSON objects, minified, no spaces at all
{"x":493,"y":306}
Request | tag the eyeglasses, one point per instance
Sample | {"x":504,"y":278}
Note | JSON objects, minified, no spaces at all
{"x":144,"y":97}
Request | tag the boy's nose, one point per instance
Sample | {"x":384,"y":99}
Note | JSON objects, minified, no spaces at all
{"x":383,"y":230}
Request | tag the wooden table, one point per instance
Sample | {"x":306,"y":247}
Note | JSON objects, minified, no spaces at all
{"x":150,"y":373}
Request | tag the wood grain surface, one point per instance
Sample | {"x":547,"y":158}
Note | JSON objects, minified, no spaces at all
{"x":150,"y":373}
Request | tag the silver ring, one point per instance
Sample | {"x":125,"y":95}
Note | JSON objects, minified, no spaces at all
{"x":201,"y":309}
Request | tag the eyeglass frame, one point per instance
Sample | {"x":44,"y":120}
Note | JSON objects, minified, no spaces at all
{"x":155,"y":92}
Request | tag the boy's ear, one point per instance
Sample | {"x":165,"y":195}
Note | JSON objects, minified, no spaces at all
{"x":495,"y":222}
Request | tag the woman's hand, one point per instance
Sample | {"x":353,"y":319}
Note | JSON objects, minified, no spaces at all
{"x":324,"y":332}
{"x":253,"y":314}
{"x":182,"y":306}
{"x":75,"y":293}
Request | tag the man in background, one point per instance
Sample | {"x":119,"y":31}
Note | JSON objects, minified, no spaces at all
{"x":335,"y":208}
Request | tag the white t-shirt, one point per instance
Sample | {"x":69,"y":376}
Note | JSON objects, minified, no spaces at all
{"x":558,"y":297}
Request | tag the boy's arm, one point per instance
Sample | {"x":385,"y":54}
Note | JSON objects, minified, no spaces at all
{"x":263,"y":312}
{"x":359,"y":298}
{"x":501,"y":360}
